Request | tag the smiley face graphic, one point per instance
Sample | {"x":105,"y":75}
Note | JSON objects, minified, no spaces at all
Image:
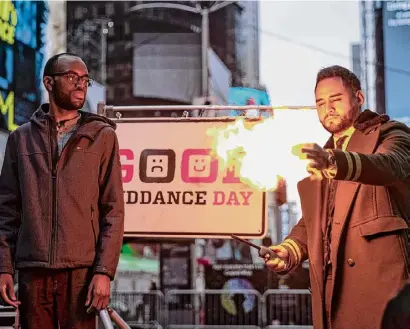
{"x":198,"y":166}
{"x":157,"y":166}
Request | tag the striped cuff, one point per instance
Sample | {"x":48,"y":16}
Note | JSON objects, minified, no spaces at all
{"x":349,"y":165}
{"x":294,"y":250}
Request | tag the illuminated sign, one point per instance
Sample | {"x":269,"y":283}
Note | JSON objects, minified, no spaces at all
{"x":248,"y":96}
{"x":8,"y":21}
{"x":396,"y":31}
{"x":23,"y":37}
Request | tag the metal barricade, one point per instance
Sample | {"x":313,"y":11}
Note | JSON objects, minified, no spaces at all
{"x":288,"y":327}
{"x":200,"y":326}
{"x":220,"y":308}
{"x":287,"y":309}
{"x":143,"y":310}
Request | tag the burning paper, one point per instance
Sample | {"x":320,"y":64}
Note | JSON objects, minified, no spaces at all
{"x":262,"y":151}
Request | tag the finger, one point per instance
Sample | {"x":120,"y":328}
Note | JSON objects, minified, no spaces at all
{"x":280,"y":251}
{"x":12,"y":293}
{"x":89,"y":295}
{"x":99,"y":305}
{"x":90,"y":309}
{"x":105,"y":302}
{"x":96,"y":300}
{"x":299,"y":149}
{"x":6,"y":298}
{"x":316,"y":175}
{"x":276,"y":265}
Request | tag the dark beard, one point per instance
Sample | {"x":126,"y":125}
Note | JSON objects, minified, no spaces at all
{"x":345,"y":122}
{"x":64,"y":102}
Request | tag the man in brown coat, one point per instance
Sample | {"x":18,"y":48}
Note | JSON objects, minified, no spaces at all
{"x":355,"y":216}
{"x":61,"y":206}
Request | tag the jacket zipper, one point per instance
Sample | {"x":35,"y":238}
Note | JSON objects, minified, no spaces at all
{"x":54,"y":193}
{"x":54,"y":166}
{"x":54,"y":211}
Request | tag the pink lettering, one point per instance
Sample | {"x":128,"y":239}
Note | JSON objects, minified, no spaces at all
{"x":246,"y":196}
{"x":219,"y":198}
{"x":127,"y":169}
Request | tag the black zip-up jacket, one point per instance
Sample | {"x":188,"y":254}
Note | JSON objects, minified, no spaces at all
{"x":62,"y":211}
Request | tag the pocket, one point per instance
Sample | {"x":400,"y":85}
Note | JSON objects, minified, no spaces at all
{"x":93,"y":226}
{"x":382,"y":226}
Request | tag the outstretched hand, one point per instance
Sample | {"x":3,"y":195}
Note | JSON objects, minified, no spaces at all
{"x":318,"y":156}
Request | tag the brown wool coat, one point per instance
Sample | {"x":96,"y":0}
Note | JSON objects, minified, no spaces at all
{"x":369,"y":234}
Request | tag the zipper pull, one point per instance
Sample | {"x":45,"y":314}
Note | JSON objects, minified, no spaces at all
{"x":54,"y":174}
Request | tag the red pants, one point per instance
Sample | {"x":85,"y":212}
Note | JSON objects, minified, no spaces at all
{"x":52,"y":299}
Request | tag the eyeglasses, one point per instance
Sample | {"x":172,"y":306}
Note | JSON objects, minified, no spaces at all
{"x":73,"y":78}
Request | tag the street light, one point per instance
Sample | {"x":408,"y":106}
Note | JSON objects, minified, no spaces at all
{"x":203,"y":9}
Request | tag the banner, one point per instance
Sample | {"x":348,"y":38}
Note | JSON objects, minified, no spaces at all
{"x":173,"y":187}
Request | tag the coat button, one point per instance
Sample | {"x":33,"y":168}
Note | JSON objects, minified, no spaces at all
{"x":350,"y":262}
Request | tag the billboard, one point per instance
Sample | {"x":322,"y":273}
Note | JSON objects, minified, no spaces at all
{"x":396,"y":31}
{"x":22,"y":51}
{"x":173,"y":187}
{"x":247,"y":96}
{"x":167,"y":66}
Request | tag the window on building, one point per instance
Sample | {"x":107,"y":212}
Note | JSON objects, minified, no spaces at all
{"x":127,"y":28}
{"x":110,"y":93}
{"x":109,"y":9}
{"x":101,"y":10}
{"x":79,"y":13}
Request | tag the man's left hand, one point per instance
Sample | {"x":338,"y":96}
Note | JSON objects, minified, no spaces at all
{"x":98,"y":293}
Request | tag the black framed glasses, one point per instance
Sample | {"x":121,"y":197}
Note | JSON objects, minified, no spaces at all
{"x":74,"y":78}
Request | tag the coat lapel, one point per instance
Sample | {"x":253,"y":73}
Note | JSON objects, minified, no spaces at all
{"x":312,"y":196}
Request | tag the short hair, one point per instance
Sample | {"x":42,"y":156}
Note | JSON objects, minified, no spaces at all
{"x":349,"y":79}
{"x":51,"y":64}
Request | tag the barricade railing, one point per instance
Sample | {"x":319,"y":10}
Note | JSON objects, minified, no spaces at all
{"x":208,"y":309}
{"x":200,"y":326}
{"x":140,"y":308}
{"x":284,"y":308}
{"x":213,"y":307}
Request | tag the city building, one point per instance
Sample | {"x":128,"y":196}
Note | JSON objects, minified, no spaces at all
{"x":248,"y":43}
{"x":385,"y":49}
{"x":355,"y":58}
{"x":123,"y":46}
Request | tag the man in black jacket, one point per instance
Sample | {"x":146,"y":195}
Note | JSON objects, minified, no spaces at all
{"x":61,"y":206}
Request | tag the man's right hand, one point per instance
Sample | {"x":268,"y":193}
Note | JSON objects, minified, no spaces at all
{"x":7,"y":290}
{"x":278,"y":264}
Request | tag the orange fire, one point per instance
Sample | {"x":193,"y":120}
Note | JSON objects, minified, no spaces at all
{"x":262,"y":151}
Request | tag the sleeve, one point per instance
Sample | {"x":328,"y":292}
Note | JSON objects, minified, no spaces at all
{"x":111,"y":208}
{"x":10,"y":207}
{"x":296,"y":245}
{"x":389,"y":164}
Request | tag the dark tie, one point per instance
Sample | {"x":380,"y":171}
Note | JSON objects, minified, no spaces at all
{"x":332,"y":185}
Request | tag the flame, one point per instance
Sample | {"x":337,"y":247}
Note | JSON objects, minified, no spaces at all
{"x":262,"y":151}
